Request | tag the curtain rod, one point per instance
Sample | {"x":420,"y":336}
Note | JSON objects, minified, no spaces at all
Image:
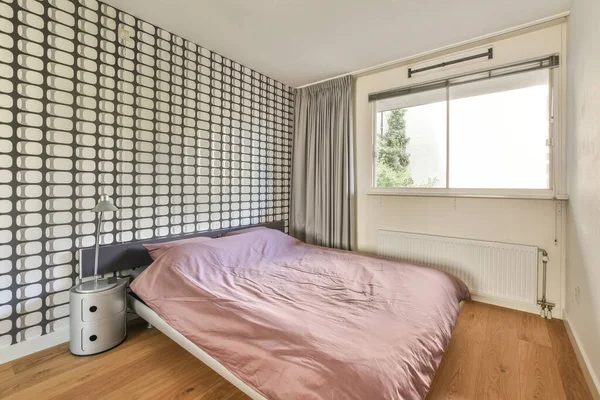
{"x":489,"y":54}
{"x":476,"y":76}
{"x":556,"y":17}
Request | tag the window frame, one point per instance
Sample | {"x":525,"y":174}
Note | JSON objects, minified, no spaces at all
{"x":555,"y":145}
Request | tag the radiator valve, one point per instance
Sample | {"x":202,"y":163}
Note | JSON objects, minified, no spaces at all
{"x":546,"y":309}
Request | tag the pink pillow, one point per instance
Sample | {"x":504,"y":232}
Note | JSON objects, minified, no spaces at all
{"x":158,"y":249}
{"x":246,"y":230}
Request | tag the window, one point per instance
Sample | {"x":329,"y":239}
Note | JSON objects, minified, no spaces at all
{"x":475,"y":133}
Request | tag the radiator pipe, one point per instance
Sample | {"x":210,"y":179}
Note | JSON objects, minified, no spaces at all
{"x":546,"y":307}
{"x":545,"y":263}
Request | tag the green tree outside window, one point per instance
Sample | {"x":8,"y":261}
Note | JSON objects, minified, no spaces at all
{"x":392,"y":158}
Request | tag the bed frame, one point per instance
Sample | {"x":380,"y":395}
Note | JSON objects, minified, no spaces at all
{"x":124,"y":256}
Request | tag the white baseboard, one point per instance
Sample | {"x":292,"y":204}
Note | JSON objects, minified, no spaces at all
{"x":40,"y":343}
{"x":584,"y":361}
{"x":557,"y":312}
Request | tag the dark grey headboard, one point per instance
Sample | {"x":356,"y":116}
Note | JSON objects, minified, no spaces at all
{"x":122,"y":256}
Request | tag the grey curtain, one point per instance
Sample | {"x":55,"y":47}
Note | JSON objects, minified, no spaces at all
{"x":322,"y":199}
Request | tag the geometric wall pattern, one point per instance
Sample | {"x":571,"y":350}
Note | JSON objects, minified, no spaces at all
{"x":181,"y":138}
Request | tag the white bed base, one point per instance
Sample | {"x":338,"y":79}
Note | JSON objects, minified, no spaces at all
{"x":155,"y":320}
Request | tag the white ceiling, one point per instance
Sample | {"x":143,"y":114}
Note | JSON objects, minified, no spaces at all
{"x":302,"y":41}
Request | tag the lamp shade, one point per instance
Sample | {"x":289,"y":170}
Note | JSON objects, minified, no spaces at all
{"x":104,"y":205}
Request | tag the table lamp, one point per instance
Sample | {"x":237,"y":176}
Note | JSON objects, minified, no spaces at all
{"x":104,"y":204}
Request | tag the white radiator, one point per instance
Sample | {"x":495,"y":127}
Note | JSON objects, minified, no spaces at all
{"x":495,"y":270}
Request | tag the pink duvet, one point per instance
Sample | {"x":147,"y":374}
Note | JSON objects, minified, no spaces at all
{"x":296,"y":321}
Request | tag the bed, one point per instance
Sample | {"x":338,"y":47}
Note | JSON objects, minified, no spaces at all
{"x":281,"y":319}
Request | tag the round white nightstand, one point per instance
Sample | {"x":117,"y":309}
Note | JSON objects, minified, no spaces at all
{"x":98,"y":317}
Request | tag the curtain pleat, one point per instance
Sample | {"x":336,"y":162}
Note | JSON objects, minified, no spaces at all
{"x":322,"y":198}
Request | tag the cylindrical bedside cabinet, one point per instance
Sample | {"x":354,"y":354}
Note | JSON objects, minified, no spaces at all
{"x":98,"y":318}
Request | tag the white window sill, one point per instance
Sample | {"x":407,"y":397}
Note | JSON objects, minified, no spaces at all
{"x":535,"y":194}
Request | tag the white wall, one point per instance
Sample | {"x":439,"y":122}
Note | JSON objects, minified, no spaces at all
{"x":583,"y":211}
{"x":530,"y":222}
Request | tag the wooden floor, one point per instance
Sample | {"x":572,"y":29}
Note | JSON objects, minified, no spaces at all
{"x":495,"y":353}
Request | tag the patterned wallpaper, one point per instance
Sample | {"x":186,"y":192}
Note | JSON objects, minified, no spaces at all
{"x":181,"y":138}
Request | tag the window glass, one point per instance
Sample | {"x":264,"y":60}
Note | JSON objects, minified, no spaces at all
{"x":498,"y":133}
{"x":411,"y":140}
{"x":495,"y":135}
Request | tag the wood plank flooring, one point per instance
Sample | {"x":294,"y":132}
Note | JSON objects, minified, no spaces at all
{"x":495,"y":353}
